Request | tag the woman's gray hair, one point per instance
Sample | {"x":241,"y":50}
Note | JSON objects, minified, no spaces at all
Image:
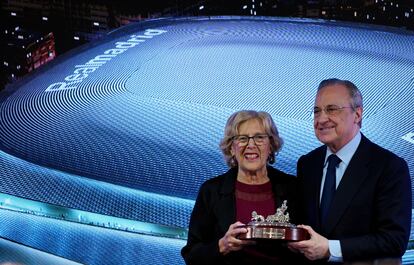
{"x":232,"y":129}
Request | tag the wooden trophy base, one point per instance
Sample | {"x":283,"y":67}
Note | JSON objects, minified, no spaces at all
{"x":278,"y":231}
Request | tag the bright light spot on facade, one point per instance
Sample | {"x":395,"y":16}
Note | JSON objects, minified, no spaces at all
{"x":201,"y":8}
{"x":96,"y":23}
{"x":76,"y":38}
{"x":45,"y":18}
{"x":245,"y":7}
{"x":13,"y":14}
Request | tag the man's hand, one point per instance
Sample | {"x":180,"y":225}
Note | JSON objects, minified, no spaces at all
{"x":317,"y":247}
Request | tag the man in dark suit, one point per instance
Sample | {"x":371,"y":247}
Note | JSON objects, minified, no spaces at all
{"x":357,"y":195}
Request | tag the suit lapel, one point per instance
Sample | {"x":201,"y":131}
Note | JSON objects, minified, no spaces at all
{"x":315,"y":170}
{"x":354,"y":176}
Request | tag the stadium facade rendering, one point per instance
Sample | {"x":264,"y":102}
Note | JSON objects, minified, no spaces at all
{"x":110,"y":142}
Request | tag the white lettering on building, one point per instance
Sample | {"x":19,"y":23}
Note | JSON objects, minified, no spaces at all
{"x":82,"y":71}
{"x":409,"y":137}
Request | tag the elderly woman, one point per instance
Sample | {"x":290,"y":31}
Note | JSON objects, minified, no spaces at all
{"x":225,"y":203}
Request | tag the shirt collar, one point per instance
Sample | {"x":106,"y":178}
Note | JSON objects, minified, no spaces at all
{"x":347,"y":151}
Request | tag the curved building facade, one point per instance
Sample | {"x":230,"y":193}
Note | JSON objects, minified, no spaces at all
{"x":129,"y":126}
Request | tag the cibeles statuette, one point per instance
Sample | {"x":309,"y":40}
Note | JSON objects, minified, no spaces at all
{"x":275,"y":226}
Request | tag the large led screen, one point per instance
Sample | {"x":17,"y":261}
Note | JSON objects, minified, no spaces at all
{"x":129,"y":126}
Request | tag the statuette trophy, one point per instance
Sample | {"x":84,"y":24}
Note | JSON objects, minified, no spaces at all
{"x":275,"y":226}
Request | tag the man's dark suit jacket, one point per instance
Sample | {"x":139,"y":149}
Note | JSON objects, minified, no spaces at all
{"x":371,"y":211}
{"x":215,"y":210}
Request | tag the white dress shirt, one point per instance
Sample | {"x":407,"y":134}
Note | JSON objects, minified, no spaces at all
{"x":345,"y":154}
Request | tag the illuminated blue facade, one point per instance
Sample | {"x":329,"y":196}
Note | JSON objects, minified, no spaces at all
{"x":130,"y":126}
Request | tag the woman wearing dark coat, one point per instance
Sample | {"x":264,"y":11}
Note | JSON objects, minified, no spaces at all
{"x":225,"y":203}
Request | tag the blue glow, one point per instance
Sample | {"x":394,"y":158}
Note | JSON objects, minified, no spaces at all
{"x":134,"y":134}
{"x":86,"y":244}
{"x":14,"y":203}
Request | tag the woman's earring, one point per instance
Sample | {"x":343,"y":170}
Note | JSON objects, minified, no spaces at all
{"x":233,"y":162}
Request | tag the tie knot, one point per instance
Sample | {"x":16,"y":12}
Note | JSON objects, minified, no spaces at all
{"x":333,"y":160}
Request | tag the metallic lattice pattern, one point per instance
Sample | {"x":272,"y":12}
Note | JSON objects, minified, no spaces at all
{"x":129,"y":126}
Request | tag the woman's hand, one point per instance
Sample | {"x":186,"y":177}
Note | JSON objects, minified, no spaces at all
{"x":229,"y":242}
